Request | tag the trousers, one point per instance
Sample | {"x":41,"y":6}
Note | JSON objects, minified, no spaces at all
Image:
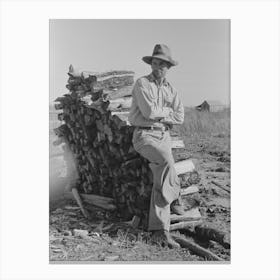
{"x":156,"y":146}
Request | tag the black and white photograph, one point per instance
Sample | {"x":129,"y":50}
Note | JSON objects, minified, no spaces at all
{"x":139,"y":139}
{"x":139,"y":156}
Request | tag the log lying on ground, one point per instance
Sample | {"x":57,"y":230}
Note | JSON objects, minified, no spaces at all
{"x":190,"y":215}
{"x":105,"y":203}
{"x":195,"y":248}
{"x":207,"y":233}
{"x":79,"y":202}
{"x":220,"y":186}
{"x":99,"y":201}
{"x":93,"y":198}
{"x":190,"y":225}
{"x":99,"y":136}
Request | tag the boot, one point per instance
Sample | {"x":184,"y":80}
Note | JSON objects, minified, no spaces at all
{"x":177,"y":206}
{"x":163,"y":238}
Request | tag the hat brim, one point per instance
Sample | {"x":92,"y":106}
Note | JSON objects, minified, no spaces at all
{"x":148,"y":59}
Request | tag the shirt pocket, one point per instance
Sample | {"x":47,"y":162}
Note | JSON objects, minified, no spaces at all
{"x":168,"y":97}
{"x":153,"y":92}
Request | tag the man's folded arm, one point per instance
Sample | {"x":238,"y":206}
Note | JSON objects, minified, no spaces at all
{"x":148,"y":105}
{"x":176,"y":116}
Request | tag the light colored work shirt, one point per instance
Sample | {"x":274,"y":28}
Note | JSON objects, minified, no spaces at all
{"x":154,"y":104}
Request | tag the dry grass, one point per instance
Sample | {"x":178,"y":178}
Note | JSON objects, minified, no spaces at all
{"x":205,"y":123}
{"x":205,"y":132}
{"x":118,"y":244}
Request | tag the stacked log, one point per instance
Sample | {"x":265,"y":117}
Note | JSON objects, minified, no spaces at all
{"x":97,"y":132}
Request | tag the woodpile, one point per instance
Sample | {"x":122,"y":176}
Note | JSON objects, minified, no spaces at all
{"x":111,"y":174}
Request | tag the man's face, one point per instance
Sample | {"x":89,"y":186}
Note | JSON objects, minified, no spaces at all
{"x":159,"y":67}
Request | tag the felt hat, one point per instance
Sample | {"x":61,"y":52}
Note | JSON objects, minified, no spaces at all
{"x":161,"y":52}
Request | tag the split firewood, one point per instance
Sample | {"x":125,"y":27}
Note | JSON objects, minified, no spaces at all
{"x":189,"y":190}
{"x":180,"y":154}
{"x":118,"y":104}
{"x":190,"y":225}
{"x":98,"y":134}
{"x":189,"y":179}
{"x":178,"y":143}
{"x":93,"y":198}
{"x":134,"y":223}
{"x":79,"y":202}
{"x":184,"y":166}
{"x":220,"y":186}
{"x":190,"y":215}
{"x":102,"y":204}
{"x":119,"y":93}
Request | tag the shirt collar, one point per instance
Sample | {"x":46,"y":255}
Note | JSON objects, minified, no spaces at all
{"x":152,"y":78}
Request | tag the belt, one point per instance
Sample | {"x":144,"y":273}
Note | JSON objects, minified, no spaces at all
{"x":163,"y":128}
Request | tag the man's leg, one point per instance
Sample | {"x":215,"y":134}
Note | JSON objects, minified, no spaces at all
{"x":166,"y":184}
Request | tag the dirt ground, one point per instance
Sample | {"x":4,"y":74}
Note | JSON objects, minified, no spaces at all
{"x":105,"y":238}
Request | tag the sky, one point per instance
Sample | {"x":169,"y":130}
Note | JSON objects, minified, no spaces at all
{"x":202,"y":48}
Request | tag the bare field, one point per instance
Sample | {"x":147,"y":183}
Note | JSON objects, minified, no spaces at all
{"x":104,"y":238}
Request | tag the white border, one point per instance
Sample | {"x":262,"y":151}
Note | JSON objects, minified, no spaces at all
{"x":255,"y":137}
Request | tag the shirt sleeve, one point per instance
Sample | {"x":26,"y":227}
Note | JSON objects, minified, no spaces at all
{"x":148,"y":104}
{"x":176,"y":115}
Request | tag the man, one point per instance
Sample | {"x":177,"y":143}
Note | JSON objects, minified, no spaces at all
{"x":155,"y":108}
